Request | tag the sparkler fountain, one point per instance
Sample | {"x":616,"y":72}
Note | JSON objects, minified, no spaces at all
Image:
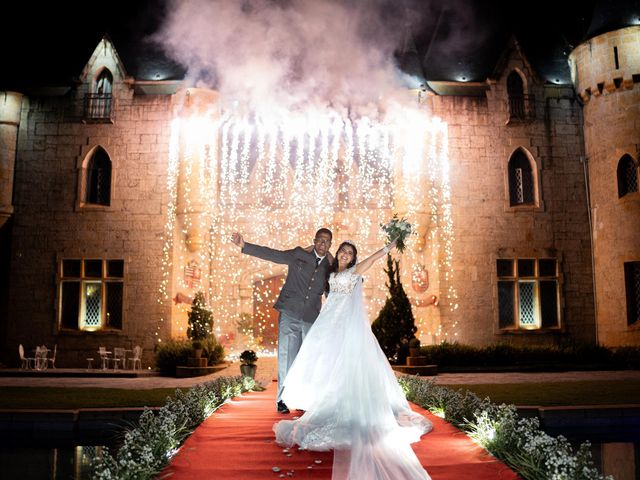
{"x":278,"y":177}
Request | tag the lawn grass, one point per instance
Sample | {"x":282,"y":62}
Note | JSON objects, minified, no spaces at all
{"x":614,"y":392}
{"x":74,"y":398}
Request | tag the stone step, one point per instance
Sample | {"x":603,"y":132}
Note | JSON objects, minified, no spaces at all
{"x":197,"y":362}
{"x":416,"y":361}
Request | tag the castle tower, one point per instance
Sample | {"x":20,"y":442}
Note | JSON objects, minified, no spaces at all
{"x":606,"y":72}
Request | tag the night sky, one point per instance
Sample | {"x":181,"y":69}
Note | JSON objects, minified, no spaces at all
{"x":451,"y":36}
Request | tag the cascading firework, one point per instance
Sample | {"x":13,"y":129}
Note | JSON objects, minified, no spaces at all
{"x":277,"y":179}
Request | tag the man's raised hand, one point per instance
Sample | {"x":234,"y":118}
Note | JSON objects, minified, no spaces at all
{"x":237,"y":239}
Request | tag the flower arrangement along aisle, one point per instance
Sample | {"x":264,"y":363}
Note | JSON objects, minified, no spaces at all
{"x":397,"y":228}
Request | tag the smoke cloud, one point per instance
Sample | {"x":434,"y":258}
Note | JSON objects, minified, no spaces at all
{"x":292,"y":54}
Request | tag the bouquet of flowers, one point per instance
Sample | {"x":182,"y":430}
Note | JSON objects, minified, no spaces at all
{"x":399,"y":229}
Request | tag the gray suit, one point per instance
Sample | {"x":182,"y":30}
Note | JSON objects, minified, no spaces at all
{"x":299,"y":302}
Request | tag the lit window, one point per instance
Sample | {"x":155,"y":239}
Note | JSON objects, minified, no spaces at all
{"x":528,"y":293}
{"x":91,"y":294}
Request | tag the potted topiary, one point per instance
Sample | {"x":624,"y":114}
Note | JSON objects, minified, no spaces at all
{"x":200,"y":323}
{"x":248,"y":365}
{"x":414,"y":347}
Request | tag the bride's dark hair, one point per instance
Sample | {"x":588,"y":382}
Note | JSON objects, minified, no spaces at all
{"x":334,"y":266}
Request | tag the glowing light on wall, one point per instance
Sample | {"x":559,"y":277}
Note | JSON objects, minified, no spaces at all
{"x":277,"y":178}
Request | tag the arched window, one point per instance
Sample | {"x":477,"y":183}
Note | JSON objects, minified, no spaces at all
{"x":98,"y":179}
{"x":521,"y":180}
{"x":627,"y":176}
{"x":104,"y":82}
{"x":515,"y":90}
{"x":98,"y":103}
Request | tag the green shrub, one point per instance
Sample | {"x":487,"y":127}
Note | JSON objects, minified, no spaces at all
{"x":172,"y":353}
{"x":200,"y":320}
{"x":213,"y":351}
{"x":504,"y":355}
{"x":248,"y":357}
{"x":626,"y":357}
{"x":395,"y":325}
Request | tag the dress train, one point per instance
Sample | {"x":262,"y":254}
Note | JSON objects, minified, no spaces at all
{"x":352,"y":400}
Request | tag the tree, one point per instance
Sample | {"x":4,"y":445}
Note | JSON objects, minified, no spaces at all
{"x":200,"y":320}
{"x":395,"y":324}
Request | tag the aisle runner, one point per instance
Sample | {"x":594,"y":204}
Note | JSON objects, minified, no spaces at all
{"x":237,"y":443}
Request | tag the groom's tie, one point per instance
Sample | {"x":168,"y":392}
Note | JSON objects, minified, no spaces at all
{"x":317,"y":261}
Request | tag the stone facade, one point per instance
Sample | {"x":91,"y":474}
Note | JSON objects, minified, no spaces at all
{"x":51,"y":223}
{"x":482,"y":139}
{"x":606,"y":71}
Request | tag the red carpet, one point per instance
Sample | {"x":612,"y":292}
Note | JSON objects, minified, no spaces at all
{"x":237,"y":443}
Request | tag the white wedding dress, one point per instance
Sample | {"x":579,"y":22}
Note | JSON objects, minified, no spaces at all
{"x":352,"y":400}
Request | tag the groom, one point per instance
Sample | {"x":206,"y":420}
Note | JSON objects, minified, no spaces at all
{"x":300,"y":300}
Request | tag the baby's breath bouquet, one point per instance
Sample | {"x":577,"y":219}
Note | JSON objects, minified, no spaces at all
{"x":397,"y":228}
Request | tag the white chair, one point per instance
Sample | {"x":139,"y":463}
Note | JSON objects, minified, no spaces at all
{"x":104,"y":356}
{"x":25,"y":362}
{"x":118,"y":358}
{"x":137,"y":357}
{"x":41,"y":357}
{"x":53,"y":358}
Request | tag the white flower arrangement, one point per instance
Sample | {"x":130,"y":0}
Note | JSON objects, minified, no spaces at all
{"x":517,"y":441}
{"x":148,"y":447}
{"x":397,"y":228}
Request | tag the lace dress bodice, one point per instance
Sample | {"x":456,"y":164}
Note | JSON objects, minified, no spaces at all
{"x":344,"y":282}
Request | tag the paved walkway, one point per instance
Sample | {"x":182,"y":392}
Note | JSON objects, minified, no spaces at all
{"x":267,"y":372}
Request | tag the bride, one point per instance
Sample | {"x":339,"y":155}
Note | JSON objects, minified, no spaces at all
{"x":342,"y":380}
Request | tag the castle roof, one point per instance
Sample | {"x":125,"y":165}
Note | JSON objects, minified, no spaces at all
{"x":610,"y":15}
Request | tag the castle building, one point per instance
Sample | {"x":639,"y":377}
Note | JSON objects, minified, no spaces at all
{"x":115,"y":208}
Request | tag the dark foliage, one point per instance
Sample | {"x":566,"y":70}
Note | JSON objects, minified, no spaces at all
{"x":395,"y":325}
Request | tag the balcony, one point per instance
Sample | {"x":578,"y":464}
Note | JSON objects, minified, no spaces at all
{"x":522,"y":108}
{"x":97,"y":108}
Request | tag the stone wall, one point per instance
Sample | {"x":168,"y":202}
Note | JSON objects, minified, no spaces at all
{"x":481,"y":141}
{"x":49,"y":225}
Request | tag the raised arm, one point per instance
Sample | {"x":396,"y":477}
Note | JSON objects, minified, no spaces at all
{"x":365,"y":265}
{"x":265,"y":253}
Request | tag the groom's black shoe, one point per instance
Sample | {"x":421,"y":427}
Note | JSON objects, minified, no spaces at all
{"x":282,"y":407}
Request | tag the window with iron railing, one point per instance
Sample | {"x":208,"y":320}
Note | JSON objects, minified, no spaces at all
{"x":97,"y":106}
{"x":522,"y":107}
{"x":98,"y":103}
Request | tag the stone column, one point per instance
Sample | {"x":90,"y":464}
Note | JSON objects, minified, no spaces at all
{"x":198,"y":109}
